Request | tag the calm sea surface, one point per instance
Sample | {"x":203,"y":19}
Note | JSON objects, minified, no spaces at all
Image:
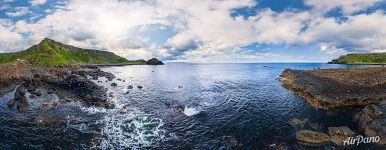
{"x":181,"y":106}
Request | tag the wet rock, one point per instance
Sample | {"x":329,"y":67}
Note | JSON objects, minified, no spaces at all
{"x":38,"y":93}
{"x":298,"y":122}
{"x":36,"y":76}
{"x":113,"y":84}
{"x":110,"y":106}
{"x":95,"y":77}
{"x":22,"y":104}
{"x":21,"y":91}
{"x":51,"y":91}
{"x":373,"y":111}
{"x":339,"y":134}
{"x":130,"y":87}
{"x":11,"y":103}
{"x":48,"y":121}
{"x":310,"y":136}
{"x":139,"y":86}
{"x":316,"y":126}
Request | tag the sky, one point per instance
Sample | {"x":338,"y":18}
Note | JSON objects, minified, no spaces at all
{"x":200,"y":30}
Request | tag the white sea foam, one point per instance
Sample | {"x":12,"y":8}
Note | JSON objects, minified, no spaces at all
{"x":131,"y":131}
{"x":191,"y":111}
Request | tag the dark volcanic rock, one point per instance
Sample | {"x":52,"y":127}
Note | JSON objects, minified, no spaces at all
{"x":91,"y":93}
{"x":154,"y":61}
{"x":373,"y":121}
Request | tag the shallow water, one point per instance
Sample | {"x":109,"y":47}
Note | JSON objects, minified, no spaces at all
{"x":181,"y":106}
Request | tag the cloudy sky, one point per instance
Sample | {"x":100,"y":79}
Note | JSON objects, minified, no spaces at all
{"x":201,"y":30}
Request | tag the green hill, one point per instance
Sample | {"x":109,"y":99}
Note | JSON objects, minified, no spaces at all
{"x":366,"y":58}
{"x":52,"y":53}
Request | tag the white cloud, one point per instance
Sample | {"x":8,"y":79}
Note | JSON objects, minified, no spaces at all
{"x":37,"y":2}
{"x":19,"y":11}
{"x":347,"y":6}
{"x":204,"y":29}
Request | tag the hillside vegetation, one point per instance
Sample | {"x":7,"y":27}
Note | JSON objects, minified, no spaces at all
{"x":368,"y":58}
{"x":52,"y":53}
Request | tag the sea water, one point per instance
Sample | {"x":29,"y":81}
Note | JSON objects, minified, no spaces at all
{"x":182,"y":106}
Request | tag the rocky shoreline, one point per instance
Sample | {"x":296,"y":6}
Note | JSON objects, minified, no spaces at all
{"x":333,"y":89}
{"x":337,"y":88}
{"x":71,"y":83}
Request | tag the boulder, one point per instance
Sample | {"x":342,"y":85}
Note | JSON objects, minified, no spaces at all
{"x":339,"y":134}
{"x":38,"y":93}
{"x":22,"y":104}
{"x":130,"y":87}
{"x":113,"y":84}
{"x":139,"y":86}
{"x":310,"y":136}
{"x":373,"y":111}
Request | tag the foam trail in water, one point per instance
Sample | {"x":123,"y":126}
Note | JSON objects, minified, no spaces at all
{"x":191,"y":111}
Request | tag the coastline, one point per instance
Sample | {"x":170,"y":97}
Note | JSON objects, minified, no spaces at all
{"x":332,"y":89}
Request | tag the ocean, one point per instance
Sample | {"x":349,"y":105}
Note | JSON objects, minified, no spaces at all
{"x":181,"y":106}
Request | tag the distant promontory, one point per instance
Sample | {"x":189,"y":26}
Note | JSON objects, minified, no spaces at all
{"x":52,"y":53}
{"x":359,"y":58}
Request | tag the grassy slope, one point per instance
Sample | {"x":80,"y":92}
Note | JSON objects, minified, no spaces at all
{"x":371,"y":58}
{"x":49,"y":52}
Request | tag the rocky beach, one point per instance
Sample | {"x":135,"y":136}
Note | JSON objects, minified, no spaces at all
{"x":342,"y":89}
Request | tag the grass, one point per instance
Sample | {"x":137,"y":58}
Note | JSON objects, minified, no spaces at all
{"x":52,"y":53}
{"x":371,"y":58}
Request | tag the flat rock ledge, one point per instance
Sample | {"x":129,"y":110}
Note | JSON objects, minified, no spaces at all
{"x":337,"y":135}
{"x":337,"y":88}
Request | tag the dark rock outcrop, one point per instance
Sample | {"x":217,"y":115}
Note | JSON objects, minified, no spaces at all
{"x":154,"y":61}
{"x":19,"y":100}
{"x":373,"y":121}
